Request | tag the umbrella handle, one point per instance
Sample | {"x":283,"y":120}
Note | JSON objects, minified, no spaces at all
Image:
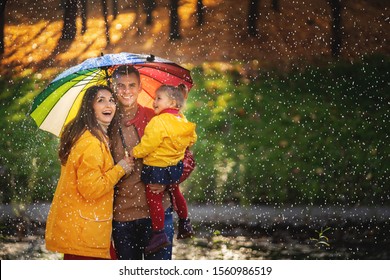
{"x":123,"y":141}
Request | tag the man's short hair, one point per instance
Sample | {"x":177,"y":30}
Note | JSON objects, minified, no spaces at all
{"x":125,"y":70}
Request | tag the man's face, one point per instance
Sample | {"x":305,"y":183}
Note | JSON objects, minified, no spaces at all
{"x":127,"y":88}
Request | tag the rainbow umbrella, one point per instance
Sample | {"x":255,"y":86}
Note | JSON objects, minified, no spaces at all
{"x":60,"y":101}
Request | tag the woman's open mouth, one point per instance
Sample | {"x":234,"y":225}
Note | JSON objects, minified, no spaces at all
{"x":107,"y":113}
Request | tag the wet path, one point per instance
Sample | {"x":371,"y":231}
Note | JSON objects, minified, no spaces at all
{"x":238,"y":233}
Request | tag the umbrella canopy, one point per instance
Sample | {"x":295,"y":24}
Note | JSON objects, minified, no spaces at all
{"x":60,"y":101}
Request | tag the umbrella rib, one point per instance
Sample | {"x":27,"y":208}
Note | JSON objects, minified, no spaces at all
{"x":148,"y":93}
{"x":94,"y":79}
{"x":177,"y":76}
{"x":83,"y":85}
{"x":153,"y":78}
{"x":44,"y":94}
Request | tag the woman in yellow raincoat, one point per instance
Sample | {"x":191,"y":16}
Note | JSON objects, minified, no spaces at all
{"x":79,"y":223}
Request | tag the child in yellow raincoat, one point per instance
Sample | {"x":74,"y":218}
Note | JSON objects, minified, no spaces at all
{"x":166,"y":138}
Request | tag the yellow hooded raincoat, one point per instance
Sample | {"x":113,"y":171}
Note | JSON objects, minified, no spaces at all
{"x":80,"y":216}
{"x":165,"y":140}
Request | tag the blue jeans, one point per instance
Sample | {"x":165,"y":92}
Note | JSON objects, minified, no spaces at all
{"x":131,"y":238}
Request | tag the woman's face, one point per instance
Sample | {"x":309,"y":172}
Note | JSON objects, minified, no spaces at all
{"x":104,"y":106}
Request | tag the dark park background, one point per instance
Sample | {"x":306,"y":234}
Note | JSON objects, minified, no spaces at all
{"x":291,"y":101}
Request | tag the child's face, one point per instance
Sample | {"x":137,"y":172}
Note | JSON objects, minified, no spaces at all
{"x":162,"y":102}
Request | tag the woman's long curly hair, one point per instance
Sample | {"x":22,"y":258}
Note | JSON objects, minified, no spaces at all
{"x":84,"y":120}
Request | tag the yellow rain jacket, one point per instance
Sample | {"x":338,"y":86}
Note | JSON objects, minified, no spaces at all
{"x":165,"y":140}
{"x":80,"y":216}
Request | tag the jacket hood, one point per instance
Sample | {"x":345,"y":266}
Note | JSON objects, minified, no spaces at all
{"x":181,"y":132}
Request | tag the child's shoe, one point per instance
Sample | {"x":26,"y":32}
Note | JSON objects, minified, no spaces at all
{"x":158,"y":241}
{"x":185,"y":229}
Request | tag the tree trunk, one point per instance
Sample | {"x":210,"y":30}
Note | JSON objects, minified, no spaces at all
{"x":69,"y":29}
{"x":2,"y":23}
{"x":149,"y":8}
{"x":199,"y":12}
{"x":138,"y":14}
{"x":105,"y":15}
{"x":174,"y":32}
{"x":336,"y":41}
{"x":115,"y":8}
{"x":83,"y":9}
{"x":253,"y":12}
{"x":275,"y":5}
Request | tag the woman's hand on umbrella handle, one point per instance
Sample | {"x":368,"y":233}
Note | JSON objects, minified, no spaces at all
{"x":127,"y":164}
{"x":130,"y":162}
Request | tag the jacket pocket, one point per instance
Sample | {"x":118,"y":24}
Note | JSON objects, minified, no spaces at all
{"x":96,"y":232}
